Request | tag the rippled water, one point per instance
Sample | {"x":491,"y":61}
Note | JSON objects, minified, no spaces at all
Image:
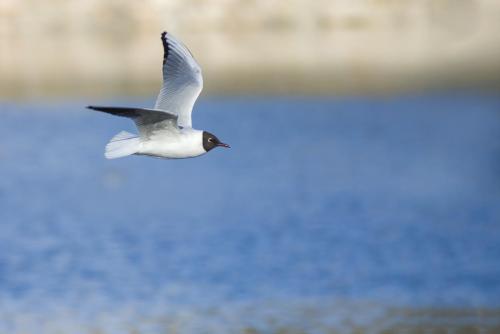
{"x":326,"y":215}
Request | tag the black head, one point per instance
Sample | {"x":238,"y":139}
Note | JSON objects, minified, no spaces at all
{"x":210,"y":141}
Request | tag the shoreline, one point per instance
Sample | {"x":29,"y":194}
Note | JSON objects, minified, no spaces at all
{"x":379,"y":47}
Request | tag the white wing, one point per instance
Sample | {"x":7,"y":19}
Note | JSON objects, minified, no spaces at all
{"x":148,"y":121}
{"x":182,"y":80}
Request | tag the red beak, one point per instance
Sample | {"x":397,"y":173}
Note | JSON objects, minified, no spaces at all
{"x":223,"y":145}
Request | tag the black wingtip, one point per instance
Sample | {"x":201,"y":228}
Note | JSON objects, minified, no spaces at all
{"x":164,"y":38}
{"x":91,"y":107}
{"x":165,"y":46}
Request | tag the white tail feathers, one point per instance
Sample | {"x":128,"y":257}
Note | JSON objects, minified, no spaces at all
{"x":121,"y":145}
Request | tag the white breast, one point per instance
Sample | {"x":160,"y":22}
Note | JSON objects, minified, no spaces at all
{"x":185,"y":143}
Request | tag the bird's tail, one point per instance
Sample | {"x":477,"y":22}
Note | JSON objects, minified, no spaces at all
{"x":121,"y":145}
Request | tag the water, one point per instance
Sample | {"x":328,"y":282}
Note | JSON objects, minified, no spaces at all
{"x":325,"y":215}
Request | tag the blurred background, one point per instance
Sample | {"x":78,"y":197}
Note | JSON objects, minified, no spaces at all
{"x":361,"y":193}
{"x":250,"y":46}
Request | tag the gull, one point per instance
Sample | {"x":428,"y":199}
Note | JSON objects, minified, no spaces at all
{"x":166,"y":131}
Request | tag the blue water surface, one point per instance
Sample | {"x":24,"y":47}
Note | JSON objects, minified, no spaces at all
{"x":392,"y":200}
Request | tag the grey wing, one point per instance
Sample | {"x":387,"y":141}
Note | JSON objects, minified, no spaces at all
{"x":147,"y":121}
{"x":182,"y":80}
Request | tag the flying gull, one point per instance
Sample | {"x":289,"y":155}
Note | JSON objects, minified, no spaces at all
{"x":166,"y":131}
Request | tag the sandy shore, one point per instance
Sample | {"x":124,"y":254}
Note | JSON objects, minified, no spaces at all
{"x":289,"y":318}
{"x":323,"y":47}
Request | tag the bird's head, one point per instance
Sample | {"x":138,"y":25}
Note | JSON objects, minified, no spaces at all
{"x":210,"y":141}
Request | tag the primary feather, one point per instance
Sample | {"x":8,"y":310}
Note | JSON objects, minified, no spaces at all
{"x":182,"y":80}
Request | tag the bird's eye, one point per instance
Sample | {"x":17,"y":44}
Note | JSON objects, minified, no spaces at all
{"x":211,"y":140}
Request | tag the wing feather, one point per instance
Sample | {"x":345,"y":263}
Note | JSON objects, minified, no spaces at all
{"x":182,"y":80}
{"x":146,"y":120}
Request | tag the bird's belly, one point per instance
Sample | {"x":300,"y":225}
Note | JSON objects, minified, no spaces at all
{"x":171,"y":150}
